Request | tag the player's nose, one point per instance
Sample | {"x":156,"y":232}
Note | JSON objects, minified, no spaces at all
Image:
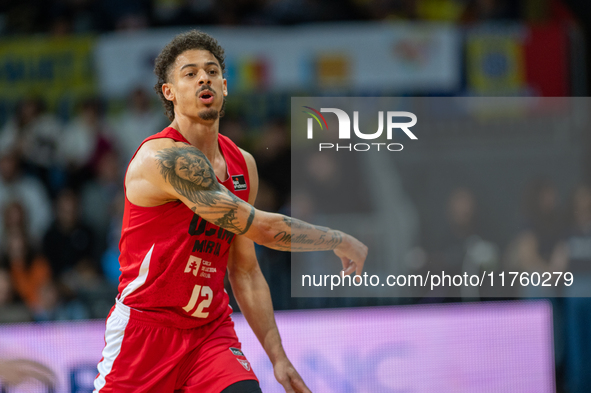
{"x":204,"y":78}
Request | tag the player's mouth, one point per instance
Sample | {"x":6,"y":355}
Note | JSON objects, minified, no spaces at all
{"x":206,"y":96}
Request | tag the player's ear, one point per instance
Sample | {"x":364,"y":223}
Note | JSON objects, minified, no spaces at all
{"x":168,"y":91}
{"x":225,"y":89}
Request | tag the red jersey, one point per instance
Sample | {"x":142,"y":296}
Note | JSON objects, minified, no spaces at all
{"x":173,"y":262}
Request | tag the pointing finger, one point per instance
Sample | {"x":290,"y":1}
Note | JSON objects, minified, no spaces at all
{"x":359,"y":269}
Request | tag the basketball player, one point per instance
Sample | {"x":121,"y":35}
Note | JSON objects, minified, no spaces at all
{"x":189,"y":217}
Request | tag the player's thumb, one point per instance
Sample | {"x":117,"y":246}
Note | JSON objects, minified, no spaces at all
{"x":348,"y":266}
{"x":345,"y":262}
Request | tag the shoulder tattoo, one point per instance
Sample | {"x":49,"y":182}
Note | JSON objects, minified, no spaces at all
{"x":189,"y":172}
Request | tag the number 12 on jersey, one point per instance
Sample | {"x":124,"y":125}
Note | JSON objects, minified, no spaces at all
{"x":204,"y":291}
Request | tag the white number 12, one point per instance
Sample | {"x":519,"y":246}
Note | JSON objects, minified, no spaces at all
{"x":205,"y":291}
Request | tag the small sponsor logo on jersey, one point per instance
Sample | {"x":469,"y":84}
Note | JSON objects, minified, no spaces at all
{"x":193,"y":265}
{"x":239,"y":182}
{"x":236,"y":351}
{"x":245,"y":364}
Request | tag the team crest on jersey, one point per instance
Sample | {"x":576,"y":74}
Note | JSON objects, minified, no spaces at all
{"x":236,"y":351}
{"x":239,"y":182}
{"x":245,"y":364}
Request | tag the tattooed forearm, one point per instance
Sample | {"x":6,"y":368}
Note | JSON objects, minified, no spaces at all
{"x":311,"y":238}
{"x":294,"y":248}
{"x":287,"y":221}
{"x":230,"y":221}
{"x":335,"y":241}
{"x":249,"y":221}
{"x":298,"y":224}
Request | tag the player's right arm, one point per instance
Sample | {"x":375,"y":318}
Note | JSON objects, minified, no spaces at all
{"x":164,"y":171}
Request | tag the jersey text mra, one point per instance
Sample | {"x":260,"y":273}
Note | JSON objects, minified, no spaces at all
{"x":214,"y":235}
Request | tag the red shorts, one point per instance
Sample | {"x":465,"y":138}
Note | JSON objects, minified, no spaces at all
{"x":142,"y":356}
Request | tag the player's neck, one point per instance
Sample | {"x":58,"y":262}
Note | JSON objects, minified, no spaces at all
{"x":203,"y":136}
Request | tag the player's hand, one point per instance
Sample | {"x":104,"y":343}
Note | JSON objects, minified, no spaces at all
{"x":288,"y":377}
{"x":352,"y":253}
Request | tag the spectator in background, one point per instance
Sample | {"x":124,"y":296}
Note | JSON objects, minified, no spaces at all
{"x":86,"y":139}
{"x":577,"y":301}
{"x":273,"y":155}
{"x":14,"y":218}
{"x":29,"y":270}
{"x":21,"y":274}
{"x":11,"y":311}
{"x":72,"y":16}
{"x":578,"y":241}
{"x":54,"y":306}
{"x":234,"y":128}
{"x":540,"y":246}
{"x":272,"y":152}
{"x":68,"y":244}
{"x":110,"y":258}
{"x":170,"y":12}
{"x":29,"y":192}
{"x":461,"y":248}
{"x":34,"y":135}
{"x":122,"y":15}
{"x":98,"y":199}
{"x":327,"y":176}
{"x":136,"y":123}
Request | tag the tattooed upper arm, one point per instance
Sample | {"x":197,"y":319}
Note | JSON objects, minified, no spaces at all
{"x":191,"y":175}
{"x":189,"y":172}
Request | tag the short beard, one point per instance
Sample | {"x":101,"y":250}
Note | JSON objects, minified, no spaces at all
{"x":209,"y":114}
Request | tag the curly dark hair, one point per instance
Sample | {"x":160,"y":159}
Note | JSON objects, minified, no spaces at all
{"x":193,"y":39}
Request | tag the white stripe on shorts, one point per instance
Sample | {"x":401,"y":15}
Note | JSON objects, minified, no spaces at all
{"x":113,"y":339}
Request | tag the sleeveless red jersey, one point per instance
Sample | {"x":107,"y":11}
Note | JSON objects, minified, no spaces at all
{"x":172,"y":261}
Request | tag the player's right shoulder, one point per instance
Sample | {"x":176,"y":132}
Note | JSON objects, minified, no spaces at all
{"x":145,"y":160}
{"x":144,"y":183}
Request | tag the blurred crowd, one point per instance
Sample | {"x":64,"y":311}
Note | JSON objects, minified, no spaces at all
{"x":61,"y":17}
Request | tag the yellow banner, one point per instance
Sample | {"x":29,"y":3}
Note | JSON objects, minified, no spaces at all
{"x":52,"y":68}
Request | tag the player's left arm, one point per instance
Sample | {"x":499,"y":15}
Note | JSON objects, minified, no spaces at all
{"x":252,"y":294}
